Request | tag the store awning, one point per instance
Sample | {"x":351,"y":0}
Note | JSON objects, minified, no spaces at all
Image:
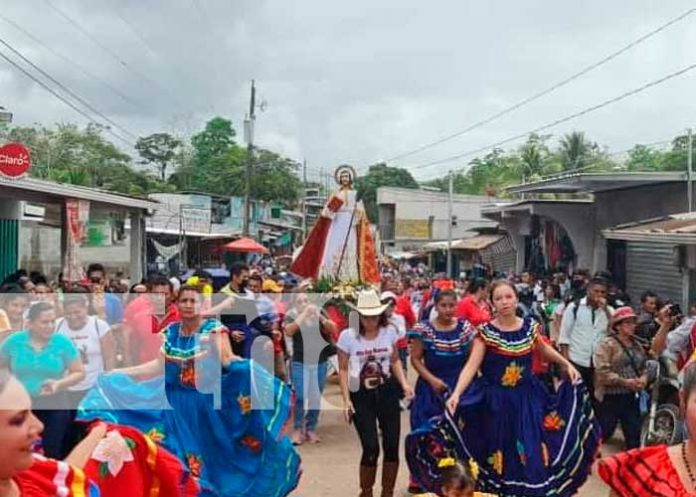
{"x":246,"y":245}
{"x":677,"y":229}
{"x":42,"y":191}
{"x":477,"y":243}
{"x":197,"y":234}
{"x":438,"y":246}
{"x":403,"y":255}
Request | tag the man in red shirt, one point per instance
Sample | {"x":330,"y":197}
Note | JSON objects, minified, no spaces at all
{"x":146,"y":317}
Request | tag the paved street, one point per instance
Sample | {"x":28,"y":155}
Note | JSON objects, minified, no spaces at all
{"x":331,"y":467}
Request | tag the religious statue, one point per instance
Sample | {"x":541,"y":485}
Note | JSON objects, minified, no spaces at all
{"x":340,"y":247}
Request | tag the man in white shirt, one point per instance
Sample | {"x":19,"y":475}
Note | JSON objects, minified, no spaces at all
{"x":584,"y":324}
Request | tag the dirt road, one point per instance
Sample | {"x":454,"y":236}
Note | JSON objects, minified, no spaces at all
{"x":331,"y":467}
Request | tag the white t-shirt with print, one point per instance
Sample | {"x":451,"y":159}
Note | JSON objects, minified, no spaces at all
{"x":362,"y":352}
{"x":87,"y":340}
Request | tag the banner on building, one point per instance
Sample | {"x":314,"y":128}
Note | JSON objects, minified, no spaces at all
{"x":412,"y":229}
{"x":77,"y":214}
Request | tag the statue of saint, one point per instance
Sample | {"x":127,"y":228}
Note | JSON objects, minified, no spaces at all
{"x":340,"y":246}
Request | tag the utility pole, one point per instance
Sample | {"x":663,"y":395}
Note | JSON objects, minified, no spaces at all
{"x":449,"y":224}
{"x":304,"y":200}
{"x":690,"y":172}
{"x":249,"y":131}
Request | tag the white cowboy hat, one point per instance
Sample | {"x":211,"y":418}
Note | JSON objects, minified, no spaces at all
{"x":369,"y":304}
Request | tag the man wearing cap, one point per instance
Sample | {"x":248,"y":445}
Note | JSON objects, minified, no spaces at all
{"x":621,"y":376}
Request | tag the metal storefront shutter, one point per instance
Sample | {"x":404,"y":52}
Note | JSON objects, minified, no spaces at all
{"x":501,"y":255}
{"x":650,"y":266}
{"x":9,"y":231}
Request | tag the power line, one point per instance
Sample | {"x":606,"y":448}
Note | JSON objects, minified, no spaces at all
{"x":70,"y":61}
{"x":548,"y":90}
{"x":61,"y":98}
{"x":583,"y":112}
{"x":67,"y":90}
{"x":106,"y":49}
{"x":590,"y":161}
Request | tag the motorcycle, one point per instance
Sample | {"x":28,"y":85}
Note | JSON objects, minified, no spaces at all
{"x":663,"y":423}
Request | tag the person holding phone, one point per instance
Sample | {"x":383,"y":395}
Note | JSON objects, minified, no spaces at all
{"x":369,"y":364}
{"x":47,"y":364}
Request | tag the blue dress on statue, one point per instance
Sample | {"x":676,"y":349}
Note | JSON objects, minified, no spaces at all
{"x":526,"y":440}
{"x":444,"y":354}
{"x":226,"y":428}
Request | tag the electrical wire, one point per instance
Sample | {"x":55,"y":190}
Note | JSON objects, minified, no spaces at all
{"x":590,"y":161}
{"x":548,"y":90}
{"x":111,"y":53}
{"x":68,"y":90}
{"x":72,"y":62}
{"x":562,"y":120}
{"x":62,"y":98}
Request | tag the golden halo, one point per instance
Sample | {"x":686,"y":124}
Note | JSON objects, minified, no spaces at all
{"x":344,"y":169}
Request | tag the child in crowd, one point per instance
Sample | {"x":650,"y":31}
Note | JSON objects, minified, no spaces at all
{"x":458,"y":479}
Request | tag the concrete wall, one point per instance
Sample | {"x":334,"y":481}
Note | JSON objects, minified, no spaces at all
{"x":577,"y":220}
{"x":584,"y":222}
{"x":420,"y":205}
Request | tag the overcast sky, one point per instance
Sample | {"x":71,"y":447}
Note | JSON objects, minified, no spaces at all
{"x":361,"y":81}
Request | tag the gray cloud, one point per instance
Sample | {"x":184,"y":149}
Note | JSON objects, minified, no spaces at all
{"x":360,"y":81}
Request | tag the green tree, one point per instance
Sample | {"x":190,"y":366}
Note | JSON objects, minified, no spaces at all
{"x":160,"y":150}
{"x":381,"y":175}
{"x":534,"y":158}
{"x":576,"y":151}
{"x":216,"y":140}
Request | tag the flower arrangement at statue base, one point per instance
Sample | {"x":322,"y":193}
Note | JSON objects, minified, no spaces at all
{"x":342,"y":295}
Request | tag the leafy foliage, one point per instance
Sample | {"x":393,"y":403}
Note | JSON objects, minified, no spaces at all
{"x":159,"y":149}
{"x":381,"y":175}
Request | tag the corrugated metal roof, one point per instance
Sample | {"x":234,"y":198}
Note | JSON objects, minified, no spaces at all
{"x":53,"y":189}
{"x":479,"y":242}
{"x":597,"y":182}
{"x":678,"y":228}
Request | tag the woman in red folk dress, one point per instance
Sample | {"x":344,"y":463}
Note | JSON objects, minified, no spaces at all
{"x":660,"y":470}
{"x":108,"y":460}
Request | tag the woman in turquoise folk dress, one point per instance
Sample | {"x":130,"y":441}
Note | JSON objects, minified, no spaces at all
{"x":228,"y":429}
{"x":526,"y":440}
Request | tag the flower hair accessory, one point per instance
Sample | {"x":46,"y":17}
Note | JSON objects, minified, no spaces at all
{"x":474,"y":467}
{"x":447,"y":462}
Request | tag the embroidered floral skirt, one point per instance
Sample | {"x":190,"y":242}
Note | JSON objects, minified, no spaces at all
{"x":526,"y":441}
{"x":232,"y":445}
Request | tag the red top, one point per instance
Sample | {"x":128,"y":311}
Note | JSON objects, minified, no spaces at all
{"x":644,"y":472}
{"x":474,"y":312}
{"x":153,"y":470}
{"x":48,"y":477}
{"x":404,"y":308}
{"x":145,"y":327}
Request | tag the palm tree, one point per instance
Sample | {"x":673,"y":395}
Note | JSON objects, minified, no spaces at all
{"x":576,"y":151}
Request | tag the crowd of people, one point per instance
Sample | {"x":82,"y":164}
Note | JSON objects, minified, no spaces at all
{"x":518,"y":378}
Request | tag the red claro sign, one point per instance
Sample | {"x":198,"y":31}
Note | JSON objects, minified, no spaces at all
{"x":15,"y":160}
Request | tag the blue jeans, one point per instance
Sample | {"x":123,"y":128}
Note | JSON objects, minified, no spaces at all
{"x":308,"y":391}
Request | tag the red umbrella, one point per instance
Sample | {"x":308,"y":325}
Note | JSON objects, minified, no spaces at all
{"x":245,"y":245}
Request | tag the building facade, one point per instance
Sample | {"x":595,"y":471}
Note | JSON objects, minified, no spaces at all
{"x":410,"y":218}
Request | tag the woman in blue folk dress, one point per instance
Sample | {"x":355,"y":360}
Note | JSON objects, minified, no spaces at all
{"x":226,"y":428}
{"x":439,"y":350}
{"x":526,"y":440}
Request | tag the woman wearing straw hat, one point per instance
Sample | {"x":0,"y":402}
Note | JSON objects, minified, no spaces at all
{"x":369,"y":369}
{"x":621,"y":378}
